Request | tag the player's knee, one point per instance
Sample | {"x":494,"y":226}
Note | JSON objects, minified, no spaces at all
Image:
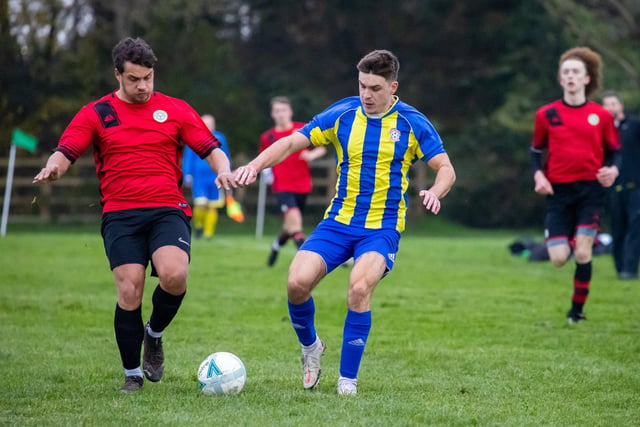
{"x":129,"y":295}
{"x":558,"y":261}
{"x":297,"y":289}
{"x":173,"y":280}
{"x":359,"y":293}
{"x":582,"y":256}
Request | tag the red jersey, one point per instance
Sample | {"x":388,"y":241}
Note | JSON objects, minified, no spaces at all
{"x":292,"y":174}
{"x":138,"y":148}
{"x":576,"y":138}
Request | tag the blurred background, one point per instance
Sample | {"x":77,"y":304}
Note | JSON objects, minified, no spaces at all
{"x":478,"y":69}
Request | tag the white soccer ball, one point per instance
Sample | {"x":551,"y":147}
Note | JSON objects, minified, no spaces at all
{"x":221,"y":373}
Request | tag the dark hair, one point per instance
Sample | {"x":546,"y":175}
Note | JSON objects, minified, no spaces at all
{"x":612,"y":94}
{"x":592,"y":62}
{"x":136,"y":51}
{"x":382,"y":63}
{"x":280,"y":100}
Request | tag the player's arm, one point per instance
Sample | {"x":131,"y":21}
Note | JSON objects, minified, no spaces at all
{"x":56,"y":166}
{"x":219,"y":163}
{"x":75,"y":140}
{"x":540,"y":134}
{"x":277,"y":152}
{"x":608,"y":173}
{"x":445,"y":178}
{"x":312,"y":154}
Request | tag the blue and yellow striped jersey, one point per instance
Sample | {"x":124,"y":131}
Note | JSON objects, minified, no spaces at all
{"x":373,"y":156}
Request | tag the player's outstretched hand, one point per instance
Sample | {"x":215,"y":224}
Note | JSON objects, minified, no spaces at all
{"x":607,"y":175}
{"x":47,"y":174}
{"x":226,"y":180}
{"x":430,"y":201}
{"x":246,"y":175}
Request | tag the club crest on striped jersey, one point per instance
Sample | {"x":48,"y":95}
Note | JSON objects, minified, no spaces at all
{"x":394,"y":134}
{"x":160,"y":116}
{"x":593,"y":119}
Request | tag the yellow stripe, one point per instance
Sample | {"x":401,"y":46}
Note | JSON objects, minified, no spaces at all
{"x":409,"y":155}
{"x":339,"y":159}
{"x":382,"y":177}
{"x":354,"y":150}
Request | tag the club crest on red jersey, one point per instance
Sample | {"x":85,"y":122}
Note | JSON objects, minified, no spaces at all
{"x":160,"y":116}
{"x":593,"y":119}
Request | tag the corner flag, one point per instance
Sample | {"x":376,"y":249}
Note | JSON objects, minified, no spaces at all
{"x":28,"y":142}
{"x":24,"y":140}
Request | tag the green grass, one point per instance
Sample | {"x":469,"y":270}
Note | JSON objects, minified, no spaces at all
{"x":463,"y":334}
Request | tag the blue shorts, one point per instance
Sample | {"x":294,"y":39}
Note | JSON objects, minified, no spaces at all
{"x":336,"y":243}
{"x":205,"y":188}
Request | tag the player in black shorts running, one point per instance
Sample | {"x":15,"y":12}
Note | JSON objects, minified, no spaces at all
{"x":580,"y":138}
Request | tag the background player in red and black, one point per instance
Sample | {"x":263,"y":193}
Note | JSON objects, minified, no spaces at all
{"x":291,"y":177}
{"x":580,"y":138}
{"x":138,"y":136}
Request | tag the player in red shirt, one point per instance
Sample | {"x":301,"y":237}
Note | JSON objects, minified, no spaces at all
{"x":582,"y":142}
{"x":291,"y":177}
{"x":138,"y":136}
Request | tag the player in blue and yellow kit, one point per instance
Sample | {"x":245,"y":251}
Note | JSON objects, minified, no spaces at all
{"x":376,"y":138}
{"x":207,"y":198}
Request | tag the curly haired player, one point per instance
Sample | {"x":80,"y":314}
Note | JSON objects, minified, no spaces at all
{"x":581,"y":143}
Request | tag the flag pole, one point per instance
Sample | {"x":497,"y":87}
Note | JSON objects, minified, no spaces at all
{"x":7,"y":191}
{"x":262,"y":201}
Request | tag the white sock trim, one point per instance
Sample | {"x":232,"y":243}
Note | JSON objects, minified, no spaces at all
{"x":153,"y":334}
{"x":137,"y":372}
{"x":309,"y":348}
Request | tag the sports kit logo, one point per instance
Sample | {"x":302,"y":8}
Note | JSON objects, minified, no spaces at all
{"x":160,"y":116}
{"x":593,"y":119}
{"x":392,"y":257}
{"x":184,"y":242}
{"x":394,"y":134}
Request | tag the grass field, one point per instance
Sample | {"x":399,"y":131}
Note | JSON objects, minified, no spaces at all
{"x":463,"y":334}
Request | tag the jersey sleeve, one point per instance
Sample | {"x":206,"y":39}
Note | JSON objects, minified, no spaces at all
{"x":540,"y":131}
{"x":195,"y":134}
{"x":429,"y":141}
{"x":611,"y":136}
{"x":321,"y":129}
{"x":79,"y":134}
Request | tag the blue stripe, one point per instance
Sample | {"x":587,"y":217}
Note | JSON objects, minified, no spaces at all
{"x":367,"y":183}
{"x":394,"y":194}
{"x":343,"y":132}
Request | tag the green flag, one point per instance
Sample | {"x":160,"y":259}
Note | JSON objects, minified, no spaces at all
{"x":24,"y":140}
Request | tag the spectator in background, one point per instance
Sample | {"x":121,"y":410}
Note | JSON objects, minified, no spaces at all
{"x":625,"y":197}
{"x":207,"y":199}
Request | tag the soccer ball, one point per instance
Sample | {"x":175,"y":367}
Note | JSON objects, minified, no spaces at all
{"x":221,"y":373}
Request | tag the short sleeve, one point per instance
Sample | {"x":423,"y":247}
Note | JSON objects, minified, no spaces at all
{"x":79,"y":134}
{"x":195,"y":133}
{"x":428,"y":139}
{"x":611,"y":136}
{"x":321,"y":129}
{"x":540,"y":131}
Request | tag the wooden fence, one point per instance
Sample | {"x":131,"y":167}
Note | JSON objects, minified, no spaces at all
{"x":75,"y":198}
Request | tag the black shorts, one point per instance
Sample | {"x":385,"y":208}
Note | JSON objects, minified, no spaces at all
{"x":131,"y":236}
{"x":574,"y":208}
{"x":288,"y":200}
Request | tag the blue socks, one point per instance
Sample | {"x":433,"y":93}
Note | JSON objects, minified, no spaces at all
{"x":302,"y":316}
{"x":356,"y":331}
{"x":354,"y":338}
